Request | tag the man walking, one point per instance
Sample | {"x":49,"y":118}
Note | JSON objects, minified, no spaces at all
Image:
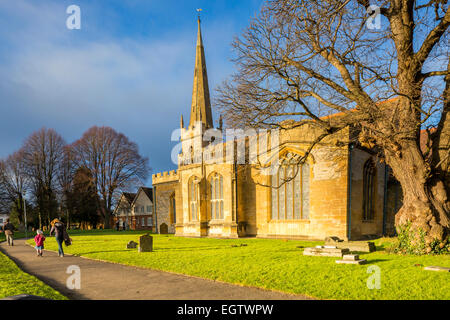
{"x":8,"y":229}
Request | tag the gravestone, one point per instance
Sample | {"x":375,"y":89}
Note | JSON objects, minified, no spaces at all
{"x":146,"y":243}
{"x":132,"y":245}
{"x":163,"y":229}
{"x":331,"y":240}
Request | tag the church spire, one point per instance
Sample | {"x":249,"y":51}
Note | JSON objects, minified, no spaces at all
{"x":201,"y":105}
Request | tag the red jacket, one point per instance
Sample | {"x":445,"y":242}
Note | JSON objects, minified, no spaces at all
{"x":39,"y":240}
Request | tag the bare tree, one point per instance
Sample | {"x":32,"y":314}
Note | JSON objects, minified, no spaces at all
{"x":114,"y":162}
{"x":65,"y":179}
{"x":13,"y":183}
{"x":43,"y":154}
{"x":309,"y":59}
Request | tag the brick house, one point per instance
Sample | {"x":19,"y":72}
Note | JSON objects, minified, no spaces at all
{"x":142,"y":210}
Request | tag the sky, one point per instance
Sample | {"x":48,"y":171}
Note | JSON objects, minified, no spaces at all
{"x":130,"y":67}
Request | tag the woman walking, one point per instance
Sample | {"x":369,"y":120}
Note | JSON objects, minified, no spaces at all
{"x":58,"y":227}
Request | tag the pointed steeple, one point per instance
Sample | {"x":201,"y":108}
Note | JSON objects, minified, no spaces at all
{"x":201,"y":105}
{"x":181,"y":122}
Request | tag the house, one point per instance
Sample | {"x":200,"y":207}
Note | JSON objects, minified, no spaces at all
{"x":340,"y":190}
{"x":142,"y":210}
{"x":136,"y":209}
{"x":123,"y":210}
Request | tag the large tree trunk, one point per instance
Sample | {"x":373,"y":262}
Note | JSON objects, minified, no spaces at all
{"x":425,"y":200}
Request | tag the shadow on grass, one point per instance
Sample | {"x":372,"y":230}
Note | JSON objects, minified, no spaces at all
{"x":103,"y":251}
{"x":376,"y":260}
{"x":193,"y":248}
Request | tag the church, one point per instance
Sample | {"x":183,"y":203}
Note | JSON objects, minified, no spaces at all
{"x":240,"y":187}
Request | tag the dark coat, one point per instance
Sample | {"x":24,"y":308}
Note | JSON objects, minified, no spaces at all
{"x":8,"y":229}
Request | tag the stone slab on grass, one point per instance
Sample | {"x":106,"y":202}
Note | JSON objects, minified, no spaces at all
{"x":361,"y":261}
{"x":328,"y":252}
{"x":357,"y":246}
{"x":437,"y":268}
{"x":351,"y":257}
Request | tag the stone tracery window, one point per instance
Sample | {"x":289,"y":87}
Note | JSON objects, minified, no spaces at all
{"x":172,"y":209}
{"x":216,"y":182}
{"x":193,"y":198}
{"x":369,"y":191}
{"x":290,"y":190}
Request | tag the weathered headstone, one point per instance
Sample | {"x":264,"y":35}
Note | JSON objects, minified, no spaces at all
{"x":132,"y":245}
{"x":437,"y":268}
{"x":331,"y":240}
{"x":146,"y":243}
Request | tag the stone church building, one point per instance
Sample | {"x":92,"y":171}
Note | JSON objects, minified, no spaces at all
{"x":340,"y":190}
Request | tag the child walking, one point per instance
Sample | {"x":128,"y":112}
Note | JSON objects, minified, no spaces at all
{"x":39,"y":240}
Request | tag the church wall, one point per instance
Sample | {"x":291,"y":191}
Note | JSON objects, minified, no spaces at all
{"x":328,"y":205}
{"x":328,"y":191}
{"x":206,"y":226}
{"x":163,"y":193}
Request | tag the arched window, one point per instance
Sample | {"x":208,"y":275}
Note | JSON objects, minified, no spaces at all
{"x":193,"y":198}
{"x":369,"y":191}
{"x":216,"y":182}
{"x":290,"y":190}
{"x":173,"y":209}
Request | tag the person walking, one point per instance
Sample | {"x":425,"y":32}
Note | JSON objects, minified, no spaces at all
{"x":39,"y":240}
{"x":58,"y":227}
{"x":8,"y":229}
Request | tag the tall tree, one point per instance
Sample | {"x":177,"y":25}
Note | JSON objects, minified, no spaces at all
{"x":13,"y":183}
{"x":307,"y":59}
{"x":43,"y":155}
{"x":114,"y":162}
{"x":65,"y":178}
{"x":83,"y":198}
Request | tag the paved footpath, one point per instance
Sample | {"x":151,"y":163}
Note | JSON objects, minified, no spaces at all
{"x":103,"y":280}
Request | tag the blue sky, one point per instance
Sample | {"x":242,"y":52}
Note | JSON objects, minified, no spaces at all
{"x":129,"y":67}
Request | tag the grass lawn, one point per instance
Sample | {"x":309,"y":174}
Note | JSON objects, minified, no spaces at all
{"x":271,"y":264}
{"x":14,"y":281}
